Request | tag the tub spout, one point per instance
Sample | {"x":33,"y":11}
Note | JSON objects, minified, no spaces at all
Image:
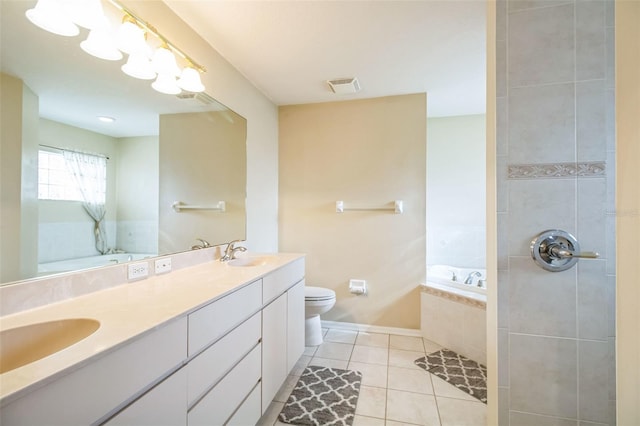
{"x":469,"y":279}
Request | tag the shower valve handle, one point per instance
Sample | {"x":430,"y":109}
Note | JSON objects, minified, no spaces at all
{"x":556,"y":250}
{"x":562,"y":253}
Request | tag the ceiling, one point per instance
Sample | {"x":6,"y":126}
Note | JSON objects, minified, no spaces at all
{"x":289,"y":49}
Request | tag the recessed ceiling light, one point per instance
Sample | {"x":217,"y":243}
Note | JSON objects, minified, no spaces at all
{"x":106,"y":119}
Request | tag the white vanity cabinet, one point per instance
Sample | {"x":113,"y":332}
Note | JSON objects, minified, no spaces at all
{"x":219,"y":364}
{"x":164,"y":405}
{"x":90,"y":393}
{"x":282,"y":327}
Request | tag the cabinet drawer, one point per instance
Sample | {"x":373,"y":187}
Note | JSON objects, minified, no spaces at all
{"x":280,"y":280}
{"x":208,"y":367}
{"x":163,"y":405}
{"x":219,"y":404}
{"x":249,"y":412}
{"x":212,"y":321}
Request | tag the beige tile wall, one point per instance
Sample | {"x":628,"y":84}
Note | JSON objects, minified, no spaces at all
{"x":554,"y":114}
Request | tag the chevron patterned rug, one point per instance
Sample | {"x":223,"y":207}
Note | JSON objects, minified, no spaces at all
{"x":463,"y":373}
{"x":323,"y":396}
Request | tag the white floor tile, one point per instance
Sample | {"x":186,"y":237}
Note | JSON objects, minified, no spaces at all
{"x":334,"y":351}
{"x":371,"y":402}
{"x":341,"y":336}
{"x":394,"y":423}
{"x":412,"y":407}
{"x":372,"y":374}
{"x":373,"y":339}
{"x":392,"y":385}
{"x":405,"y":359}
{"x":442,"y":388}
{"x":410,"y":380}
{"x":406,"y":343}
{"x":310,"y":350}
{"x":458,"y":412}
{"x":370,"y":355}
{"x":430,"y":347}
{"x":331,"y":363}
{"x":367,"y":421}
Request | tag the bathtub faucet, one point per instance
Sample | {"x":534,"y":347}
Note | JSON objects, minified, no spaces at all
{"x":469,"y":279}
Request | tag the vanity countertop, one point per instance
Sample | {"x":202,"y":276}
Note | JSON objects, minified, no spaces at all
{"x":126,"y":312}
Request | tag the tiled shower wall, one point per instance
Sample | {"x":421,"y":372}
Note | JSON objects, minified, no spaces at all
{"x":556,"y":142}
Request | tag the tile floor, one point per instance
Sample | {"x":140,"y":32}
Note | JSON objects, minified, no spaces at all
{"x":394,"y":391}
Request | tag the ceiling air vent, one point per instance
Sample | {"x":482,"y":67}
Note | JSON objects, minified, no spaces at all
{"x":344,"y":86}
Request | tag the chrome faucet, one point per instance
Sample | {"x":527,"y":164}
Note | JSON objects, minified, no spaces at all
{"x":469,"y":279}
{"x":203,"y":244}
{"x":230,"y":252}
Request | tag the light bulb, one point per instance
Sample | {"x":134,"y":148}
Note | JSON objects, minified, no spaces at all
{"x":131,"y":39}
{"x":166,"y":83}
{"x":100,"y":44}
{"x":190,"y":80}
{"x":50,"y":16}
{"x":139,"y":66}
{"x":164,"y":62}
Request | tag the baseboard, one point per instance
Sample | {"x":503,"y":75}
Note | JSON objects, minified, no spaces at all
{"x":372,"y":328}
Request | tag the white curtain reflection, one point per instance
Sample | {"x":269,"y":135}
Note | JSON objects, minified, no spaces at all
{"x":90,"y":174}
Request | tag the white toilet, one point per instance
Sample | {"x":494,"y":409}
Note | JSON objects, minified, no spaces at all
{"x":317,"y":301}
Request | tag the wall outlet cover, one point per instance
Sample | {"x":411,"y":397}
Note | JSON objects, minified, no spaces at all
{"x":163,"y":265}
{"x":138,"y":270}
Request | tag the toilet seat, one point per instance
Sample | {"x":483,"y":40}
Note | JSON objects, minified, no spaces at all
{"x":318,"y":294}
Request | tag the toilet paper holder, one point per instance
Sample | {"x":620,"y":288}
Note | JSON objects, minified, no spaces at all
{"x":357,"y":287}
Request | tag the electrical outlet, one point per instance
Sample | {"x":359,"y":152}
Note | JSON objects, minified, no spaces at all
{"x":163,"y":265}
{"x":138,"y":270}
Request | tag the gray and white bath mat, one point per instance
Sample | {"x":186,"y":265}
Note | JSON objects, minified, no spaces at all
{"x":323,"y":396}
{"x":463,"y":373}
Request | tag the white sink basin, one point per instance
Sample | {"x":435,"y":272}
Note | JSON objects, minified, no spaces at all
{"x":23,"y":345}
{"x":250,"y":261}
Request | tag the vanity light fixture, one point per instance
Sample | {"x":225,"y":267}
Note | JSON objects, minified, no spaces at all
{"x":50,"y":15}
{"x":63,"y":17}
{"x":106,"y":119}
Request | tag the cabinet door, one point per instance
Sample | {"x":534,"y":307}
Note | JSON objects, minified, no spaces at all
{"x":274,"y":348}
{"x":295,"y":324}
{"x":166,"y":404}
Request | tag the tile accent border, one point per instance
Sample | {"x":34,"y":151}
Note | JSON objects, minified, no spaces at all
{"x":556,"y":170}
{"x":455,"y":297}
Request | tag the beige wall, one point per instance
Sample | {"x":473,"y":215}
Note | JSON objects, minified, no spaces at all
{"x":207,"y":148}
{"x":367,"y":153}
{"x":18,"y":179}
{"x":628,"y":210}
{"x":137,"y":178}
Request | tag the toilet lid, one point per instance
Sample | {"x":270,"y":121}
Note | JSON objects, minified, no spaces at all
{"x":318,"y":293}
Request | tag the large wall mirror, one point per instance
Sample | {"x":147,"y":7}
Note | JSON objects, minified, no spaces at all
{"x":175,"y":165}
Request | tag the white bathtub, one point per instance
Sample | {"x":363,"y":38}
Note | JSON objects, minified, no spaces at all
{"x":89,"y":262}
{"x":439,"y":277}
{"x":453,"y":314}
